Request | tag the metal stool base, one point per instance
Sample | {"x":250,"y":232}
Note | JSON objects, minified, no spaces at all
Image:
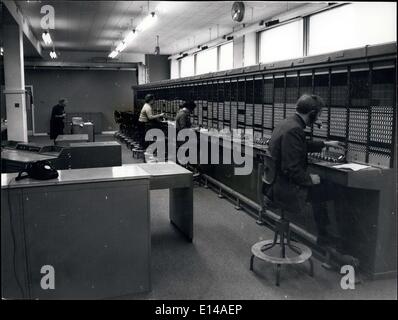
{"x":304,"y":253}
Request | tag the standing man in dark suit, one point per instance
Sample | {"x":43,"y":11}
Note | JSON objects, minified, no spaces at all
{"x":57,"y":119}
{"x":294,"y":185}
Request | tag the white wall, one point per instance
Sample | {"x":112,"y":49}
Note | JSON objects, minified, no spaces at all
{"x":238,"y":52}
{"x":250,"y":49}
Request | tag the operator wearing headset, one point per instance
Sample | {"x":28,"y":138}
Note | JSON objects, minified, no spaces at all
{"x":294,"y":185}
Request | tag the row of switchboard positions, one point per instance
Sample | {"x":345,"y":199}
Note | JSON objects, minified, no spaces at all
{"x":359,"y":94}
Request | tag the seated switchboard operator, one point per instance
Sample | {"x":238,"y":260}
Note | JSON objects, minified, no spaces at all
{"x":183,"y":118}
{"x":145,"y":121}
{"x":294,"y":185}
{"x":183,"y":121}
{"x":57,"y":119}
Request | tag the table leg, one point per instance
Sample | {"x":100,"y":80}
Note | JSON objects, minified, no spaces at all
{"x":181,"y":210}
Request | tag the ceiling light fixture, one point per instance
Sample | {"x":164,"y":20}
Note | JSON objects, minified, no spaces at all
{"x":147,"y":22}
{"x":1,"y":51}
{"x":122,"y":45}
{"x":157,"y":48}
{"x":53,"y":55}
{"x":130,"y":36}
{"x":113,"y":54}
{"x":46,"y":37}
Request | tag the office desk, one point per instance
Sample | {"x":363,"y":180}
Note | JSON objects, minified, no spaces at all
{"x":13,"y":160}
{"x":24,"y":156}
{"x":95,"y":154}
{"x":168,"y":175}
{"x":66,"y":139}
{"x":84,"y":128}
{"x":91,"y":225}
{"x":365,"y":207}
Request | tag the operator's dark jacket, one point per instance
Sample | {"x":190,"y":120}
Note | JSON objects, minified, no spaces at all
{"x":183,"y":120}
{"x":289,"y":147}
{"x":56,"y":124}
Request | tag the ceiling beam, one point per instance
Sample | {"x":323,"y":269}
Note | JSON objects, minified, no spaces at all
{"x":79,"y":65}
{"x":23,"y":23}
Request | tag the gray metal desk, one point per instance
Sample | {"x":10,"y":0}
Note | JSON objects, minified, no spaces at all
{"x":13,"y":160}
{"x":95,"y":154}
{"x":168,"y":175}
{"x":91,"y":225}
{"x":66,"y":139}
{"x":23,"y":156}
{"x":84,"y":128}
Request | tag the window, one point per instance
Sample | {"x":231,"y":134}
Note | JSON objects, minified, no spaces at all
{"x":187,"y":66}
{"x":226,"y":56}
{"x":352,"y":25}
{"x":206,"y":61}
{"x":282,"y":43}
{"x":174,"y":69}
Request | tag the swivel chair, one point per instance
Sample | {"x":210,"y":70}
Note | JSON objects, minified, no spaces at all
{"x":291,"y":252}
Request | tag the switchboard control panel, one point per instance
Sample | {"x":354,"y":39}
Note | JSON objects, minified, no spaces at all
{"x":328,"y":154}
{"x":360,"y":99}
{"x":261,"y":141}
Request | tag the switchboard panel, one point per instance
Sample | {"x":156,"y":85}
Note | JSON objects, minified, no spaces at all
{"x":359,"y":94}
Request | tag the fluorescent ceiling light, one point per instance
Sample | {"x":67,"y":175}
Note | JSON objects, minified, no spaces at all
{"x":1,"y":51}
{"x":46,"y":37}
{"x":53,"y":55}
{"x":113,"y":54}
{"x":147,"y":22}
{"x":130,"y":36}
{"x":122,"y":45}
